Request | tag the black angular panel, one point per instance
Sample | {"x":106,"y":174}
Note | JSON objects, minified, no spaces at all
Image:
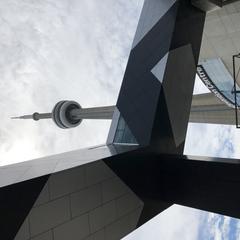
{"x":140,"y":95}
{"x":16,"y":202}
{"x":188,"y":28}
{"x":140,"y":90}
{"x":160,"y":180}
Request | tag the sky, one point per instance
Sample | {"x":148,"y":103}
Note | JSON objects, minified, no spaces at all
{"x":78,"y":50}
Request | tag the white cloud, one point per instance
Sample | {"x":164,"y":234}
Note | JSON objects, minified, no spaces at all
{"x":211,"y":139}
{"x":54,"y":50}
{"x":219,"y":227}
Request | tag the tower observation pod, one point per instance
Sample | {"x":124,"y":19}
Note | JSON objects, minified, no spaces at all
{"x":69,"y":114}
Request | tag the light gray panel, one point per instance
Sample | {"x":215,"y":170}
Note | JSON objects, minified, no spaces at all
{"x":10,"y":174}
{"x":23,"y":233}
{"x":97,"y":172}
{"x":127,"y":203}
{"x":118,"y":229}
{"x":49,"y":215}
{"x":44,"y":236}
{"x":76,"y":229}
{"x":112,"y":189}
{"x":216,"y":114}
{"x":205,"y":99}
{"x":152,"y":11}
{"x":102,"y":216}
{"x":100,"y":235}
{"x":66,"y":182}
{"x":86,"y":199}
{"x":123,"y":225}
{"x":20,"y":172}
{"x":43,"y":196}
{"x":159,"y":69}
{"x":175,"y":77}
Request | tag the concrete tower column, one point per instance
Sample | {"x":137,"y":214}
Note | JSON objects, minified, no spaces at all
{"x":206,"y":108}
{"x":93,"y":113}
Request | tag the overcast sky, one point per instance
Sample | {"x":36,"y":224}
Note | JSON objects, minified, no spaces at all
{"x":77,"y":50}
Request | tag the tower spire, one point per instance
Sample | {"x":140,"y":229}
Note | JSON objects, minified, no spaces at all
{"x":69,"y":114}
{"x":35,"y":116}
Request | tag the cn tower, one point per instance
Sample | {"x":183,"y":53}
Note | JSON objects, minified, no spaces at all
{"x":69,"y":114}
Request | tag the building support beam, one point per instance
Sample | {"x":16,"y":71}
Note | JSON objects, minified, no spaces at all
{"x":209,"y":184}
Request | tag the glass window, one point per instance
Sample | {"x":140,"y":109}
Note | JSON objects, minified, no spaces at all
{"x":123,"y":133}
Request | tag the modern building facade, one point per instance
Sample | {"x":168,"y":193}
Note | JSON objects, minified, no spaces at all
{"x":105,"y":192}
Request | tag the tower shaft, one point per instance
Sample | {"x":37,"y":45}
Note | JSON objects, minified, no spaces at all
{"x":206,"y":108}
{"x":105,"y":112}
{"x":44,"y":115}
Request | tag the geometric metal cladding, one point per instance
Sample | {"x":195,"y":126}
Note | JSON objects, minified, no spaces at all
{"x":154,"y":106}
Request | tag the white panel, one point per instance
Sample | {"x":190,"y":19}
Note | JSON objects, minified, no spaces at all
{"x":230,"y":8}
{"x":10,"y":174}
{"x":214,"y":28}
{"x":52,"y":164}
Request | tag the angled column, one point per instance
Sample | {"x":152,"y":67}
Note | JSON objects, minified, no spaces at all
{"x":156,"y":93}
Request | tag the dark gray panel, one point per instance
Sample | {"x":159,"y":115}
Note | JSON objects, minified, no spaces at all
{"x":113,"y":126}
{"x":188,"y":28}
{"x":152,"y":11}
{"x":140,"y":90}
